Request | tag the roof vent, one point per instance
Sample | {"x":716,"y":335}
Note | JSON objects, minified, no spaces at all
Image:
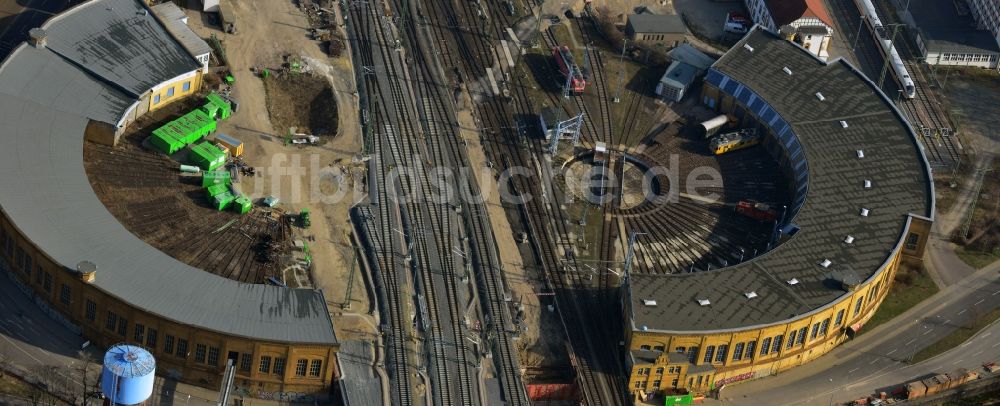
{"x":868,"y":184}
{"x":826,"y":263}
{"x":793,"y":281}
{"x":788,"y":71}
{"x":649,"y":302}
{"x":861,"y":153}
{"x":87,"y":271}
{"x":849,"y":239}
{"x":750,"y":295}
{"x":864,"y":212}
{"x":843,"y":123}
{"x":820,"y":96}
{"x":704,"y":302}
{"x":748,"y":47}
{"x":37,"y":37}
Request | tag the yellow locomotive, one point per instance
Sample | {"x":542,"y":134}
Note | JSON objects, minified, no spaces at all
{"x":732,"y":141}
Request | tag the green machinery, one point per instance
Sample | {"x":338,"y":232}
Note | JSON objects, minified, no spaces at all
{"x":191,"y":127}
{"x":304,"y":218}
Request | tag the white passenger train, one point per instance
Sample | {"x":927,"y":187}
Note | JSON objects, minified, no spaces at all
{"x":887,"y":49}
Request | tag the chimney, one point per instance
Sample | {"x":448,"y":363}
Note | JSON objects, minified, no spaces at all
{"x":37,"y":37}
{"x":87,"y":271}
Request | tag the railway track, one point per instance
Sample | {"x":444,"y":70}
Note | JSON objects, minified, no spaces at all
{"x":508,"y":144}
{"x":933,"y":128}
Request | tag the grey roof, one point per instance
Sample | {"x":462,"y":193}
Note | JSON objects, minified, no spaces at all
{"x":679,"y":74}
{"x":361,"y":386}
{"x":174,"y":19}
{"x":45,"y":106}
{"x":120,"y":42}
{"x":648,"y":23}
{"x":691,"y":56}
{"x":944,"y":31}
{"x":893,"y":162}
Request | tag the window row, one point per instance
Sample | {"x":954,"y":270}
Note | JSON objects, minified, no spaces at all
{"x":185,"y":87}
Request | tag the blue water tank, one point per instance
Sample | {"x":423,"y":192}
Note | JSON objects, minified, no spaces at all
{"x":127,"y":378}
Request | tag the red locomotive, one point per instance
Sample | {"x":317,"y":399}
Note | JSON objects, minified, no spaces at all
{"x":756,"y":210}
{"x":566,"y":65}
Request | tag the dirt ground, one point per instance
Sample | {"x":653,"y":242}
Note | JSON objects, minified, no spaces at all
{"x":267,"y":30}
{"x":304,"y":101}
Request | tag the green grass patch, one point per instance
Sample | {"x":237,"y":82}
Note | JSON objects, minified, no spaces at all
{"x":976,"y":259}
{"x":910,"y":287}
{"x":957,"y":337}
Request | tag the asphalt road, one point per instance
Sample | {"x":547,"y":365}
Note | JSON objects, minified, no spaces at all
{"x":877,"y":359}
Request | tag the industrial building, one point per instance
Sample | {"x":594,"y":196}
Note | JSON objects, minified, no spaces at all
{"x":951,"y":34}
{"x":807,"y":22}
{"x":675,"y":81}
{"x":663,"y":29}
{"x":85,"y":76}
{"x":862,"y":203}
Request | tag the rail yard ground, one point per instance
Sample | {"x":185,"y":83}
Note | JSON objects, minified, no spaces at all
{"x":972,"y":95}
{"x":275,"y":29}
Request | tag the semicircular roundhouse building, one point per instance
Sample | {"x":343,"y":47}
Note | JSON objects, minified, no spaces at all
{"x":862,"y":202}
{"x":85,"y":75}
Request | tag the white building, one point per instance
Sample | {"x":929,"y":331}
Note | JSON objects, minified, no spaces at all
{"x":807,"y":22}
{"x":950,"y":36}
{"x":675,"y":81}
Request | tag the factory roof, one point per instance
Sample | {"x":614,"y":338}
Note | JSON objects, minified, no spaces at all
{"x":46,"y":103}
{"x":679,"y":74}
{"x":649,"y":23}
{"x":893,"y":162}
{"x":943,"y":30}
{"x":174,"y":19}
{"x":120,"y":42}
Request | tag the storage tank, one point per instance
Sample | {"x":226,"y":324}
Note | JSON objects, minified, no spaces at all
{"x":710,"y":127}
{"x":127,"y":377}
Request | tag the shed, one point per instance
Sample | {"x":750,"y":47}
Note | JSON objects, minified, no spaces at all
{"x":676,"y":80}
{"x":234,"y":145}
{"x":667,"y":29}
{"x":175,"y":21}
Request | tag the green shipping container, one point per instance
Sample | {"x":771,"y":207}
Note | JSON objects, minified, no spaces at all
{"x":671,"y":400}
{"x":217,"y":107}
{"x":207,"y":156}
{"x":165,"y":141}
{"x":215,"y":178}
{"x":216,"y":190}
{"x":223,"y":200}
{"x":243,"y":204}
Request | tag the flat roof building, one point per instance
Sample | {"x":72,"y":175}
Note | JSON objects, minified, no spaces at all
{"x":946,"y":36}
{"x":666,"y":29}
{"x":676,"y":80}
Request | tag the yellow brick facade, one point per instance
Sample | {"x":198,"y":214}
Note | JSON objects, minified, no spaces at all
{"x":175,"y":89}
{"x":194,"y":355}
{"x":724,"y":358}
{"x":713,"y":360}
